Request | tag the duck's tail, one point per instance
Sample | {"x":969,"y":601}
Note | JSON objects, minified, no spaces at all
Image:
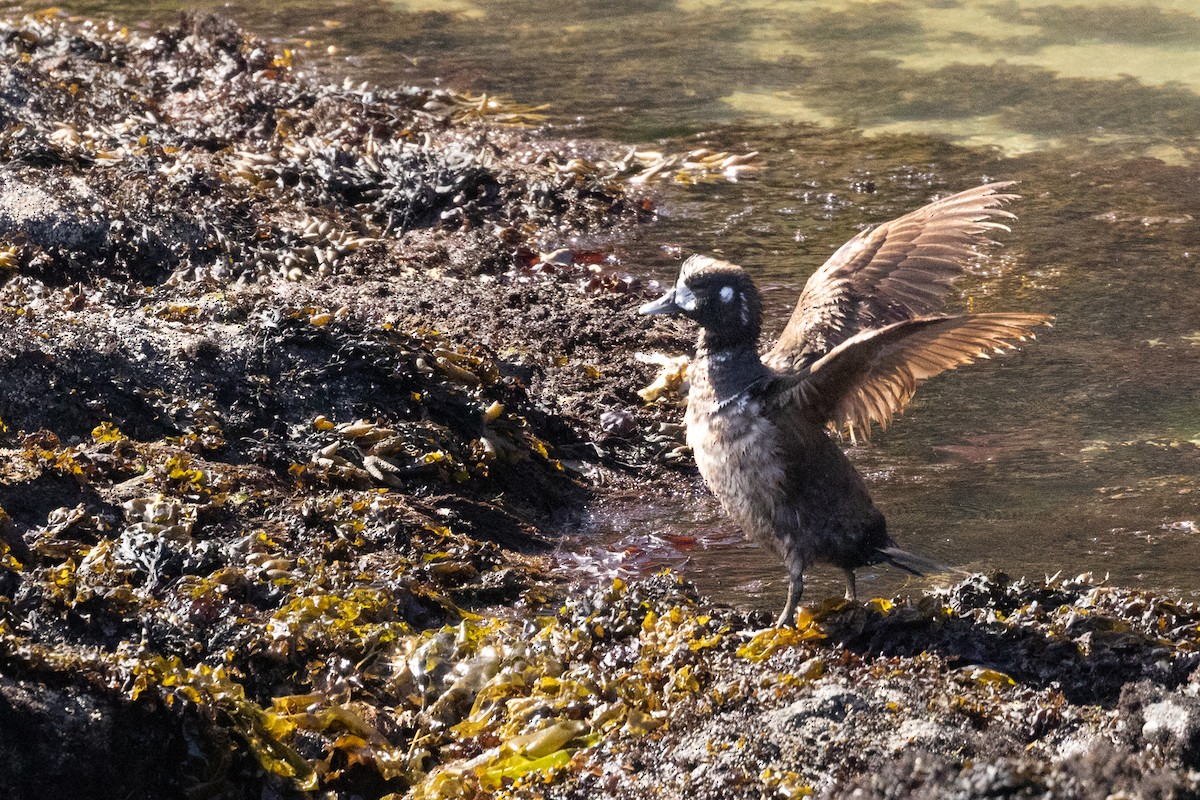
{"x":911,"y":562}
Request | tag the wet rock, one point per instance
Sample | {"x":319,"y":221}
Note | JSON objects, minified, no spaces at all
{"x":64,"y":213}
{"x":926,"y":734}
{"x":1174,"y":725}
{"x":828,"y":703}
{"x":118,"y":750}
{"x":618,"y":422}
{"x":1166,"y":720}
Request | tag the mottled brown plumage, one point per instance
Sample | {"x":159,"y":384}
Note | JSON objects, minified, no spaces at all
{"x":861,"y":339}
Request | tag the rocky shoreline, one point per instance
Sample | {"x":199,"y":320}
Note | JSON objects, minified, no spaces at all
{"x":300,"y":379}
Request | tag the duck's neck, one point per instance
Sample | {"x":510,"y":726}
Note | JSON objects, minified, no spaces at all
{"x":726,"y":369}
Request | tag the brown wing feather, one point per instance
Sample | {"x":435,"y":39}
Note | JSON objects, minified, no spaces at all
{"x":899,"y":270}
{"x":872,"y":376}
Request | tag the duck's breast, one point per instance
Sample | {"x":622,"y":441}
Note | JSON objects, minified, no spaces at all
{"x":738,"y":451}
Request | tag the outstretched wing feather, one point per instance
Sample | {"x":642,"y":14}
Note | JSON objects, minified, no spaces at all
{"x":899,"y":270}
{"x":870,"y":377}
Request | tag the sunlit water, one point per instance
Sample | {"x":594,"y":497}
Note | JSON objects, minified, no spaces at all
{"x":1078,"y":453}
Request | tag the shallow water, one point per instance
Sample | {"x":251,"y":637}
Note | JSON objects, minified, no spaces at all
{"x":1078,"y":453}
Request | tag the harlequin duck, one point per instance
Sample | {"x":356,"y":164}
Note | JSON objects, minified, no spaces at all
{"x":863,"y":335}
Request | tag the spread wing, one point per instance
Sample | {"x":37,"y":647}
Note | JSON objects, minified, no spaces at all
{"x":872,"y":376}
{"x":899,"y":270}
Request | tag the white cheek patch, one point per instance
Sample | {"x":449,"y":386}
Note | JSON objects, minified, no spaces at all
{"x":684,"y":298}
{"x":726,"y":294}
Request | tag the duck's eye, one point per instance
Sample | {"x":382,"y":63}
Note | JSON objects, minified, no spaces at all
{"x":726,"y":294}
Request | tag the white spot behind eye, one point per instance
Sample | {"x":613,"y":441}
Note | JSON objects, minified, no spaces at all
{"x":726,"y":294}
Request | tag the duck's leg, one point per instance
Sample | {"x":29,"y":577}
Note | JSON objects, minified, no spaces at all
{"x":851,"y":586}
{"x":795,"y":589}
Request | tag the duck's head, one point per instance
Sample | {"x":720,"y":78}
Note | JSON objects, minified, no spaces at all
{"x":719,"y":296}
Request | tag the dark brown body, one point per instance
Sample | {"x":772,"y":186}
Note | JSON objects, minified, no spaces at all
{"x":779,"y":475}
